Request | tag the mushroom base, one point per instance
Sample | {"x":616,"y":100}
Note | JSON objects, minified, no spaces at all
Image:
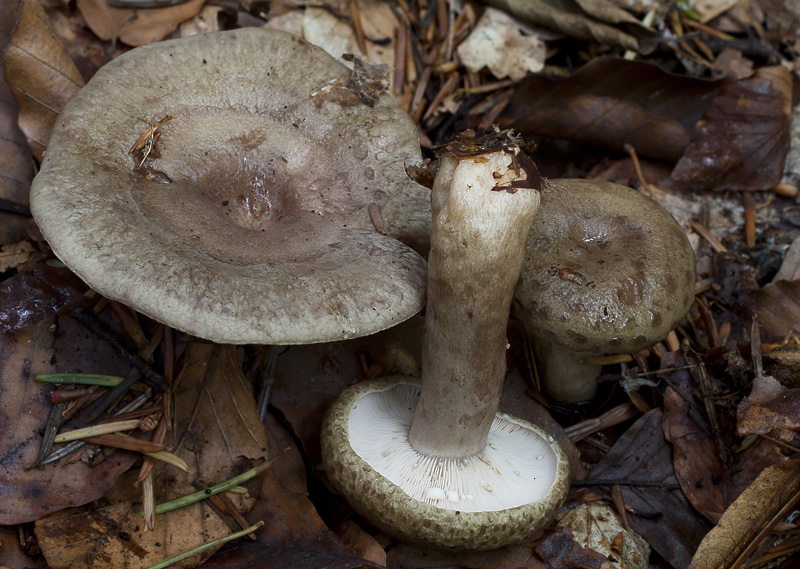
{"x":421,"y":521}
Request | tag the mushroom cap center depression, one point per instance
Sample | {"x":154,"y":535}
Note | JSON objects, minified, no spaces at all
{"x":257,"y":171}
{"x":517,"y":466}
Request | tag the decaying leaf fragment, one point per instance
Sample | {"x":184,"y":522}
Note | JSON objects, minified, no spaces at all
{"x":777,"y":306}
{"x":14,"y":254}
{"x":507,"y":47}
{"x":610,"y":102}
{"x":754,"y":511}
{"x":742,"y":140}
{"x":40,"y":73}
{"x":770,"y":408}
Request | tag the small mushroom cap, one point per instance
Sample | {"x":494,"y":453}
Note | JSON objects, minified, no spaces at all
{"x":256,"y":224}
{"x":510,"y":489}
{"x":608,"y":270}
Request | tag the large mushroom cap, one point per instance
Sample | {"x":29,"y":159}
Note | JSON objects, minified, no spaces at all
{"x":608,"y":270}
{"x":500,"y":495}
{"x":253,"y":225}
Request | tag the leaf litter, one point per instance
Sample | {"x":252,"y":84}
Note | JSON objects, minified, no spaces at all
{"x":705,"y":432}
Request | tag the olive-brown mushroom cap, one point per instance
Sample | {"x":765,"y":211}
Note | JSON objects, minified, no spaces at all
{"x":253,"y":225}
{"x":608,"y":270}
{"x":395,"y":511}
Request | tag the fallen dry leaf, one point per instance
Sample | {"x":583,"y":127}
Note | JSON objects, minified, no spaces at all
{"x":777,"y":306}
{"x":15,"y":162}
{"x":610,"y":102}
{"x":29,"y":494}
{"x":136,"y":27}
{"x":217,"y":433}
{"x":507,"y":47}
{"x":661,"y":515}
{"x":768,"y":408}
{"x":742,"y":140}
{"x":707,"y":481}
{"x":561,"y":551}
{"x":360,"y":543}
{"x":597,"y":20}
{"x":293,"y":534}
{"x":596,"y":526}
{"x":40,"y":73}
{"x":776,"y":488}
{"x":14,"y":255}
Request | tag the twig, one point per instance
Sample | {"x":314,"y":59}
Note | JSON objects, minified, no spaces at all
{"x":14,"y":207}
{"x":85,"y":318}
{"x":706,"y":234}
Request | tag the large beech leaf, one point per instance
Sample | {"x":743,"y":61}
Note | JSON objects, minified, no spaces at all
{"x":29,"y":494}
{"x":40,"y":73}
{"x":742,"y":140}
{"x":293,"y":534}
{"x":661,"y":516}
{"x":598,"y":20}
{"x":217,"y":433}
{"x":610,"y":102}
{"x":777,"y":305}
{"x":707,"y":482}
{"x":15,"y":162}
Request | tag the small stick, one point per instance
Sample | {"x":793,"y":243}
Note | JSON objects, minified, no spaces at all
{"x":126,"y":443}
{"x":357,"y":28}
{"x":447,"y":89}
{"x":610,"y":418}
{"x":67,"y":395}
{"x":225,"y":506}
{"x":648,"y":189}
{"x":706,"y":234}
{"x":399,"y":59}
{"x":619,"y":504}
{"x":85,"y":318}
{"x":14,"y":207}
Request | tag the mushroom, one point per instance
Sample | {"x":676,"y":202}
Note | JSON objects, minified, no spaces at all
{"x":438,"y":465}
{"x":608,"y":271}
{"x":249,"y":209}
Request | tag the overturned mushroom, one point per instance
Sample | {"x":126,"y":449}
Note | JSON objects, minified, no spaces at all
{"x":436,"y":464}
{"x":248,"y":210}
{"x":608,"y":271}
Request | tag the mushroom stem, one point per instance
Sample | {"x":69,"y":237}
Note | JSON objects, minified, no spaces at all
{"x":562,"y":375}
{"x":478,"y":243}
